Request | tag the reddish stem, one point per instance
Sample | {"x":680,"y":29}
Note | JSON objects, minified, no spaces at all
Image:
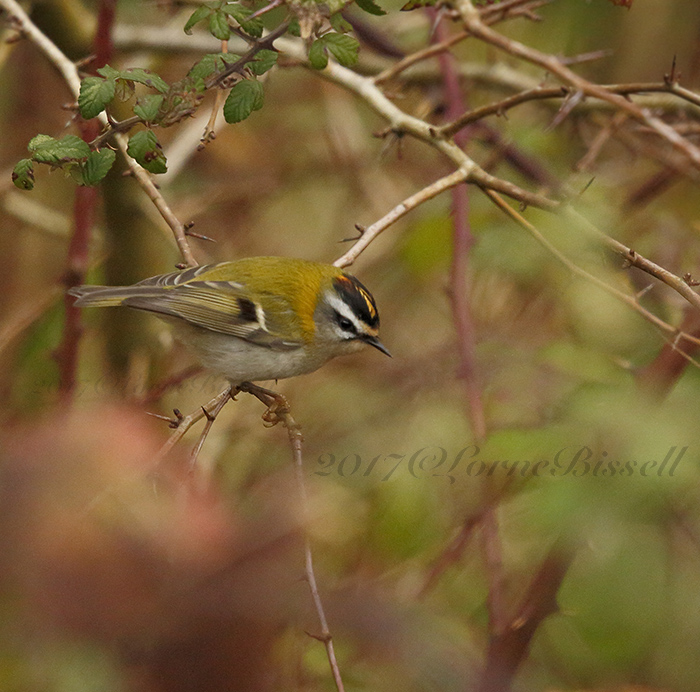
{"x":84,"y":210}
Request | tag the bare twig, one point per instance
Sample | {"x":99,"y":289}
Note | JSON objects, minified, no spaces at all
{"x":64,"y":65}
{"x":462,"y":242}
{"x":149,"y":187}
{"x":371,"y":232}
{"x":474,"y":24}
{"x":278,"y":410}
{"x":629,"y":300}
{"x":210,"y":414}
{"x":183,"y":423}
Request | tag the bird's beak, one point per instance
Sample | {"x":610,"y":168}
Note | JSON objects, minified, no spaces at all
{"x":374,"y":341}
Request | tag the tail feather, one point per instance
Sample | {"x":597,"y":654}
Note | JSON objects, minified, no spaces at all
{"x":107,"y":296}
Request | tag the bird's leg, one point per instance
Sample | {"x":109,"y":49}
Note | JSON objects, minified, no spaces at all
{"x":277,"y":404}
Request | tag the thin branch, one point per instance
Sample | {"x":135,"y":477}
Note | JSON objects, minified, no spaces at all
{"x":183,"y":423}
{"x":575,"y":269}
{"x":400,"y":210}
{"x":551,"y":92}
{"x":419,"y":55}
{"x":633,"y":258}
{"x":403,"y":123}
{"x":278,"y":410}
{"x":210,"y":414}
{"x":64,"y":65}
{"x":149,"y":187}
{"x":462,"y":242}
{"x":473,"y":23}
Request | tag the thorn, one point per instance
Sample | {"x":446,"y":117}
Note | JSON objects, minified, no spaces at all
{"x":172,"y":422}
{"x":192,"y":234}
{"x":325,"y":638}
{"x":210,"y":417}
{"x":672,"y":78}
{"x":587,"y":185}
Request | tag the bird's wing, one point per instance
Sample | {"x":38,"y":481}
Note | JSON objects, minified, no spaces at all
{"x":221,"y":306}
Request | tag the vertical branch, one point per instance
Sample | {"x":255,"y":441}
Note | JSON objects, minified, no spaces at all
{"x":278,"y":410}
{"x":462,"y":241}
{"x":84,"y":210}
{"x":508,"y":648}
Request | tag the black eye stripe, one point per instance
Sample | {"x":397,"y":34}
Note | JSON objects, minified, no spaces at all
{"x":358,"y":299}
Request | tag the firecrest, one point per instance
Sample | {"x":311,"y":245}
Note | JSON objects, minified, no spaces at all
{"x":260,"y":318}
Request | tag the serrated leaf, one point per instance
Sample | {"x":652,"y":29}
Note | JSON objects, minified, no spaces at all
{"x":150,"y":79}
{"x":38,"y":141}
{"x":371,"y":7}
{"x":339,"y":23}
{"x":245,"y":97}
{"x":218,"y":25}
{"x":145,"y":148}
{"x":97,"y":166}
{"x":108,"y":72}
{"x":254,"y":27}
{"x":50,"y":150}
{"x":317,"y":55}
{"x":264,"y":60}
{"x":23,"y":175}
{"x":148,"y":106}
{"x":197,"y":16}
{"x":342,"y":47}
{"x":211,"y":63}
{"x":95,"y":94}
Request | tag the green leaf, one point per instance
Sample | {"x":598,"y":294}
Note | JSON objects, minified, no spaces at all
{"x":150,"y":79}
{"x":342,"y":47}
{"x":50,"y":150}
{"x":211,"y":63}
{"x":371,"y":7}
{"x":23,"y":174}
{"x":148,"y":106}
{"x":197,"y":16}
{"x":317,"y":55}
{"x":38,"y":141}
{"x":245,"y":97}
{"x":95,"y":94}
{"x":254,"y":27}
{"x":218,"y":25}
{"x":145,"y":148}
{"x":339,"y":23}
{"x":294,"y":29}
{"x":97,"y":166}
{"x":264,"y":60}
{"x":108,"y":72}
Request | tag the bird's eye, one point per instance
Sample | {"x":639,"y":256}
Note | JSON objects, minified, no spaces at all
{"x":345,"y":324}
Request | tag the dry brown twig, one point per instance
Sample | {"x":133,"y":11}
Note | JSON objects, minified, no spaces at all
{"x":277,"y":411}
{"x":479,"y":29}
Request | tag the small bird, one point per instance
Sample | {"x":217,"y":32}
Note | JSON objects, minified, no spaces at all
{"x":254,"y":319}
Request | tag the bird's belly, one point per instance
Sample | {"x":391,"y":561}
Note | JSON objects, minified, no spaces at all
{"x":241,"y":361}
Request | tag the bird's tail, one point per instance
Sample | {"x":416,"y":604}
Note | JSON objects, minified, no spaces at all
{"x":107,"y":296}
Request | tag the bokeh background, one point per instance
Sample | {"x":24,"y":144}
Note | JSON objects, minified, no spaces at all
{"x":432,"y":548}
